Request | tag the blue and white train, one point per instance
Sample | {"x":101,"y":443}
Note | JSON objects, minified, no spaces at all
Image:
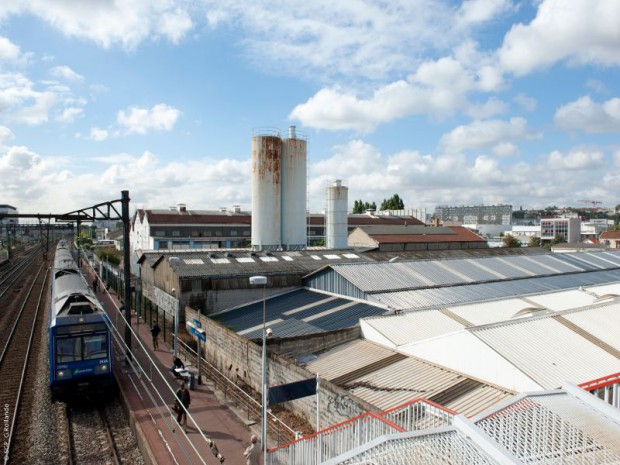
{"x":80,"y":343}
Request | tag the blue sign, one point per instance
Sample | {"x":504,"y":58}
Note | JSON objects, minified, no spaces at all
{"x":198,"y":334}
{"x":197,"y":323}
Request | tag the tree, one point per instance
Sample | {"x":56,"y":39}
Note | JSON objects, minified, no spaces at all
{"x":393,"y":203}
{"x":360,"y":206}
{"x":511,"y":241}
{"x":534,"y":242}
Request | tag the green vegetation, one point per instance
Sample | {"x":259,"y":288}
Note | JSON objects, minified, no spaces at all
{"x":511,"y":241}
{"x":534,"y":242}
{"x":393,"y":203}
{"x":361,"y":207}
{"x":110,"y":255}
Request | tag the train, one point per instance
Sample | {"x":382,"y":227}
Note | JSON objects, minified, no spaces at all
{"x":80,"y":339}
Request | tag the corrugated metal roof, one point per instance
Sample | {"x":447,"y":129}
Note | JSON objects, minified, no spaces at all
{"x":602,"y":321}
{"x":547,"y":351}
{"x":392,"y":384}
{"x":558,"y":301}
{"x":405,"y":275}
{"x":359,"y":353}
{"x":455,"y":295}
{"x":243,"y":263}
{"x":413,"y":326}
{"x":310,"y":312}
{"x":483,"y":313}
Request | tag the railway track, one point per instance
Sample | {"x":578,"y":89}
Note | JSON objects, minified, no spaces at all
{"x":18,"y":340}
{"x":90,"y":437}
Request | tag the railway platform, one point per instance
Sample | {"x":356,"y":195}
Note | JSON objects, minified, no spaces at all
{"x":147,"y":388}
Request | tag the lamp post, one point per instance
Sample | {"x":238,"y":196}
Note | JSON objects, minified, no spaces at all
{"x":176,"y":326}
{"x":262,"y":281}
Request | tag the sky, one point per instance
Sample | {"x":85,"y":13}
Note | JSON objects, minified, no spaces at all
{"x":439,"y":101}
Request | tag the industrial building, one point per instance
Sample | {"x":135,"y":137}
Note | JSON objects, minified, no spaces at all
{"x":513,"y":324}
{"x":478,"y":214}
{"x":396,"y":238}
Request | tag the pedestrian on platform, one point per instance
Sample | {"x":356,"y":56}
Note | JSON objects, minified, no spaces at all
{"x":155,"y":330}
{"x":177,"y":364}
{"x":252,"y":453}
{"x":95,"y":282}
{"x":183,"y":400}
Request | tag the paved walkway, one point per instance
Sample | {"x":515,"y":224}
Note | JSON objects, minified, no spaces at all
{"x":148,"y":392}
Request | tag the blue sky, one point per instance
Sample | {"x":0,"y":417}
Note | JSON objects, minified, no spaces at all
{"x":442,"y":102}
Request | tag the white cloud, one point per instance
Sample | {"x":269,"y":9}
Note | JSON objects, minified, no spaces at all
{"x":66,"y":73}
{"x":486,"y":134}
{"x":579,"y":31}
{"x":437,"y":88}
{"x":69,"y":115}
{"x":526,"y":102}
{"x":505,"y":149}
{"x":127,"y":23}
{"x":39,"y":109}
{"x":9,"y":51}
{"x":477,"y":11}
{"x":324,"y":39}
{"x":584,"y":114}
{"x":576,"y":160}
{"x":5,"y":134}
{"x":141,"y":120}
{"x":617,"y":158}
{"x":491,"y":107}
{"x":98,"y":134}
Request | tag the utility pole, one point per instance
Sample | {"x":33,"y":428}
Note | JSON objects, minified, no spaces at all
{"x":127,"y":270}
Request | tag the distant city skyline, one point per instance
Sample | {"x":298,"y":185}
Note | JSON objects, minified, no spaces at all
{"x":444,"y":103}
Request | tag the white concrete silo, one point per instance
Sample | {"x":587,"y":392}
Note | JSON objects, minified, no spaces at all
{"x":266,"y":190}
{"x":336,"y":216}
{"x":294,"y":162}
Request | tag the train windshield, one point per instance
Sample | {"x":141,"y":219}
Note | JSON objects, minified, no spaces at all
{"x":75,"y":349}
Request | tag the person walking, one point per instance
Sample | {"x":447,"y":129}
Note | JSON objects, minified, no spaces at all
{"x":95,"y":282}
{"x":253,"y":452}
{"x":183,"y":400}
{"x":155,"y":330}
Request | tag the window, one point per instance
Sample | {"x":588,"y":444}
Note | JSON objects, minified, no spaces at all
{"x":176,"y":233}
{"x":68,"y":349}
{"x":233,"y":232}
{"x":75,"y":349}
{"x":95,"y":346}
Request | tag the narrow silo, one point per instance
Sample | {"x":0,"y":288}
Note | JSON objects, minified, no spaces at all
{"x":266,"y":190}
{"x":336,"y":216}
{"x":294,"y":160}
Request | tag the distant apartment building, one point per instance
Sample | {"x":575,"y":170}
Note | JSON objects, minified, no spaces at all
{"x":8,"y":210}
{"x":568,"y":229}
{"x":479,"y":214}
{"x":611,"y":239}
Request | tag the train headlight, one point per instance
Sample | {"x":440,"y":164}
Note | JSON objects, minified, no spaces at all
{"x":63,"y":374}
{"x":103,"y":368}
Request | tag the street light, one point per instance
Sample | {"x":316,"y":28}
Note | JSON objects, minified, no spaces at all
{"x":262,"y":281}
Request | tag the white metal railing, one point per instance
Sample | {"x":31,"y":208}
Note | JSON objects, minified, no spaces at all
{"x":335,"y":440}
{"x":606,"y":388}
{"x":332,"y":441}
{"x":419,"y":414}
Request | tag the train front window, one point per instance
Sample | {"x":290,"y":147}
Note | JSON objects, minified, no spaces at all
{"x":95,"y":346}
{"x":68,"y":349}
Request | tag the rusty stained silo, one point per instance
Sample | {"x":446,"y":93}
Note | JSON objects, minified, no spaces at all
{"x":294,"y":162}
{"x":266,"y":190}
{"x":336,"y":220}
